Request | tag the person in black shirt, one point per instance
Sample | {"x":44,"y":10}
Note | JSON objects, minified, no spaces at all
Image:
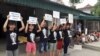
{"x":52,"y":40}
{"x":59,"y":40}
{"x":43,"y":43}
{"x":66,"y":36}
{"x":31,"y":32}
{"x":12,"y":37}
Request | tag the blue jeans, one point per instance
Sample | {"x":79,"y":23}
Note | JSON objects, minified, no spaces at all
{"x":43,"y":47}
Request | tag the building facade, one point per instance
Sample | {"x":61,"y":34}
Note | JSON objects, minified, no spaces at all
{"x":92,"y":25}
{"x":57,"y":1}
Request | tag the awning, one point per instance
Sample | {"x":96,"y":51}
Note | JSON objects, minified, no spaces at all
{"x":88,"y":17}
{"x":46,"y":5}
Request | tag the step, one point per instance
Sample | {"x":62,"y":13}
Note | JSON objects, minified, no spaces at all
{"x":93,"y":46}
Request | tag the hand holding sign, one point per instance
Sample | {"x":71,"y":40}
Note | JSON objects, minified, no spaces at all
{"x":14,"y":16}
{"x":70,"y":18}
{"x":56,"y":14}
{"x":48,"y":17}
{"x":32,"y":20}
{"x":63,"y":21}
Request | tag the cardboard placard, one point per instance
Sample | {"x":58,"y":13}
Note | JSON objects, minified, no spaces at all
{"x":70,"y":18}
{"x":58,"y":22}
{"x":56,"y":14}
{"x":15,"y":16}
{"x":48,"y":17}
{"x":86,"y":31}
{"x":63,"y":21}
{"x":32,"y":20}
{"x":77,"y":47}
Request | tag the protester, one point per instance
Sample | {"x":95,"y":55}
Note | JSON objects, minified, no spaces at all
{"x":66,"y":38}
{"x":52,"y":40}
{"x":31,"y":32}
{"x":12,"y":33}
{"x":43,"y":43}
{"x":49,"y":37}
{"x":59,"y":40}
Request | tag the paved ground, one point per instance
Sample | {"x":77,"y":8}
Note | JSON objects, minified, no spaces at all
{"x":83,"y":52}
{"x":97,"y":44}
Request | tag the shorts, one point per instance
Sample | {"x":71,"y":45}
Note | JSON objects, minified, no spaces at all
{"x":59,"y":44}
{"x":12,"y":53}
{"x":52,"y":47}
{"x":30,"y":47}
{"x":43,"y":47}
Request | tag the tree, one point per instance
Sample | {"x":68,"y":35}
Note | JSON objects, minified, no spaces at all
{"x":73,"y":2}
{"x":96,"y":9}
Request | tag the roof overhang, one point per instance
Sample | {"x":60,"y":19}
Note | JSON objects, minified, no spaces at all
{"x":46,"y":5}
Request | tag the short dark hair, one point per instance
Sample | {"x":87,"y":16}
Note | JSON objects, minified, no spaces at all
{"x":68,"y":24}
{"x":11,"y":23}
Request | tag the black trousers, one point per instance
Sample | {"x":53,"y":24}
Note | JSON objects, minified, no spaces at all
{"x":66,"y":44}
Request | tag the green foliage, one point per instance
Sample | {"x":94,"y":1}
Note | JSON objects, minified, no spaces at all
{"x":96,"y":9}
{"x":75,"y":1}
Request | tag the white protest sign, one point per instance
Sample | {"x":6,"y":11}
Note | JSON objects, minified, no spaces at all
{"x":48,"y":17}
{"x":32,"y":20}
{"x":63,"y":21}
{"x":70,"y":18}
{"x":77,"y":47}
{"x":58,"y":22}
{"x":56,"y":14}
{"x":15,"y":16}
{"x":79,"y":29}
{"x":86,"y":31}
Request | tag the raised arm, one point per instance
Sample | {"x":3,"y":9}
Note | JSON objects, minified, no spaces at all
{"x":5,"y":24}
{"x":22,"y":25}
{"x":39,"y":28}
{"x":26,"y":29}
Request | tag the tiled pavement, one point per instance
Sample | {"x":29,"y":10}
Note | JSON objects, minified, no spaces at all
{"x":97,"y":44}
{"x":83,"y":52}
{"x":93,"y":46}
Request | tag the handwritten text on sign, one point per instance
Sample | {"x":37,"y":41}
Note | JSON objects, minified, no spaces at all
{"x":56,"y":14}
{"x":48,"y":17}
{"x":63,"y":21}
{"x":32,"y":20}
{"x":15,"y":16}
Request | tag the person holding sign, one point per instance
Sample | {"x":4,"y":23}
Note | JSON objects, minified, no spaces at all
{"x":12,"y":36}
{"x":43,"y":43}
{"x":59,"y":40}
{"x":53,"y":39}
{"x":66,"y":35}
{"x":31,"y":31}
